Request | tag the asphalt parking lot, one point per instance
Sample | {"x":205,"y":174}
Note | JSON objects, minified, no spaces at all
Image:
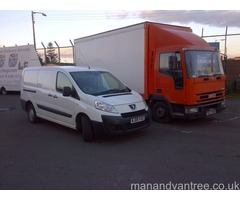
{"x":50,"y":156}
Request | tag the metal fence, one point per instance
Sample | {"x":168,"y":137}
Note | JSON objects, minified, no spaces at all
{"x":65,"y":54}
{"x":228,"y":43}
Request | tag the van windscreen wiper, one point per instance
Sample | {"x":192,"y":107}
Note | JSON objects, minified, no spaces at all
{"x":112,"y":91}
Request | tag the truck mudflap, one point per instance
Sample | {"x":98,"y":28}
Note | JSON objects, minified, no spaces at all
{"x":127,"y":122}
{"x":193,"y":112}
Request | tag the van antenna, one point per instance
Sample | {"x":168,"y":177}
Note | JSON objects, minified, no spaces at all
{"x":84,"y":60}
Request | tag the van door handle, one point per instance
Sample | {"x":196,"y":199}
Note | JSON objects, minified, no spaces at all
{"x":50,"y":95}
{"x":55,"y":96}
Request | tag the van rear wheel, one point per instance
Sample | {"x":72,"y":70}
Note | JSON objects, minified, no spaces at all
{"x":3,"y":91}
{"x":161,"y":113}
{"x":87,"y":129}
{"x":31,"y":113}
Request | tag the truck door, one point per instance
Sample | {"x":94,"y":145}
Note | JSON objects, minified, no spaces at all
{"x":169,"y":85}
{"x":170,"y":76}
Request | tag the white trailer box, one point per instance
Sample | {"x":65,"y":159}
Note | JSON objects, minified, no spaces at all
{"x":12,"y":61}
{"x":115,"y":51}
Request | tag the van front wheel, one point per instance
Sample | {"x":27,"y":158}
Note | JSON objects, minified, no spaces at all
{"x":31,"y":113}
{"x":87,"y":129}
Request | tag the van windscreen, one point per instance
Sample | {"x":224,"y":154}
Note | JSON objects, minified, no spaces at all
{"x":98,"y":83}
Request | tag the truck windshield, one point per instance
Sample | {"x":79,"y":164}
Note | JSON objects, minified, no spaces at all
{"x":203,"y":63}
{"x":98,"y":83}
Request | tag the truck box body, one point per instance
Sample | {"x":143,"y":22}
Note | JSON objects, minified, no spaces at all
{"x":165,"y":63}
{"x":121,"y":51}
{"x":12,"y":61}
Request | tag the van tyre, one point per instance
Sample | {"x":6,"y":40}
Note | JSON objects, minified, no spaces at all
{"x":3,"y":91}
{"x":160,"y":112}
{"x":32,"y":117}
{"x":87,"y":129}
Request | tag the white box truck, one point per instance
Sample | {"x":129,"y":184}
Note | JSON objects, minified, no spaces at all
{"x":12,"y":61}
{"x":90,"y":100}
{"x":177,"y":72}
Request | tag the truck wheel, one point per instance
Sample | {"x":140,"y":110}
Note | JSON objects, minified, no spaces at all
{"x":3,"y":91}
{"x":32,"y":117}
{"x":87,"y":130}
{"x":160,"y":112}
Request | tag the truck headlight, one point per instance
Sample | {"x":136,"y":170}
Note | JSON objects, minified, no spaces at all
{"x":105,"y":107}
{"x":223,"y":104}
{"x":191,"y":110}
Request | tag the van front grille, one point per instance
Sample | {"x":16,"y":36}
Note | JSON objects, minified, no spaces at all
{"x":131,"y":114}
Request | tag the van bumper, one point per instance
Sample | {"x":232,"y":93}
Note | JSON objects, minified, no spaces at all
{"x":114,"y":125}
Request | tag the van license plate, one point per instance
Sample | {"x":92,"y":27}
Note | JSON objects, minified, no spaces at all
{"x":137,"y":119}
{"x":211,"y":111}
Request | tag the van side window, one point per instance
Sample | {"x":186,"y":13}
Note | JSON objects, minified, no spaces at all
{"x":62,"y":81}
{"x":46,"y":79}
{"x":31,"y":78}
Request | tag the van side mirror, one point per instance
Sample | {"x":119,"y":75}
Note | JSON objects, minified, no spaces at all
{"x":67,"y":91}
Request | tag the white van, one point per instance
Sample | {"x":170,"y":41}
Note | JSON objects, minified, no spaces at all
{"x":12,"y":61}
{"x":81,"y":98}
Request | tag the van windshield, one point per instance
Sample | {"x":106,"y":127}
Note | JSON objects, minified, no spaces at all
{"x":98,"y":83}
{"x":203,"y":63}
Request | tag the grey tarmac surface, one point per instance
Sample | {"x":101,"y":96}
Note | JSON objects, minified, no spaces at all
{"x":50,"y":156}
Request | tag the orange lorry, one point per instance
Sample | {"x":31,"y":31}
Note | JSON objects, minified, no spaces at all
{"x":177,"y":72}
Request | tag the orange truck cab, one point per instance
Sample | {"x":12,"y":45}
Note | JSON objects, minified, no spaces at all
{"x":177,"y":72}
{"x":185,"y":74}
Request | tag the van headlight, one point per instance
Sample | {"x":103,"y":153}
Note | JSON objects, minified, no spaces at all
{"x":104,"y":107}
{"x":145,"y":104}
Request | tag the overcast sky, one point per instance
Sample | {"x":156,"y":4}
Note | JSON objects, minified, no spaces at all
{"x":64,"y":23}
{"x":217,"y":18}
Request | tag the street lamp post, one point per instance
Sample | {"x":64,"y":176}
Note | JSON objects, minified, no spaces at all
{"x":33,"y":26}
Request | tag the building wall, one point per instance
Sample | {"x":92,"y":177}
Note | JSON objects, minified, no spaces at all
{"x":233,"y":75}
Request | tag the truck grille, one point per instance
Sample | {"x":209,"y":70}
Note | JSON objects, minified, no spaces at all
{"x":210,"y":96}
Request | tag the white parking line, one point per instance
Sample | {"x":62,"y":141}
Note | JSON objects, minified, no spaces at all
{"x":227,"y":120}
{"x":6,"y":109}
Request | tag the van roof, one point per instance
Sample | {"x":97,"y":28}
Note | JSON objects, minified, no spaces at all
{"x":65,"y":68}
